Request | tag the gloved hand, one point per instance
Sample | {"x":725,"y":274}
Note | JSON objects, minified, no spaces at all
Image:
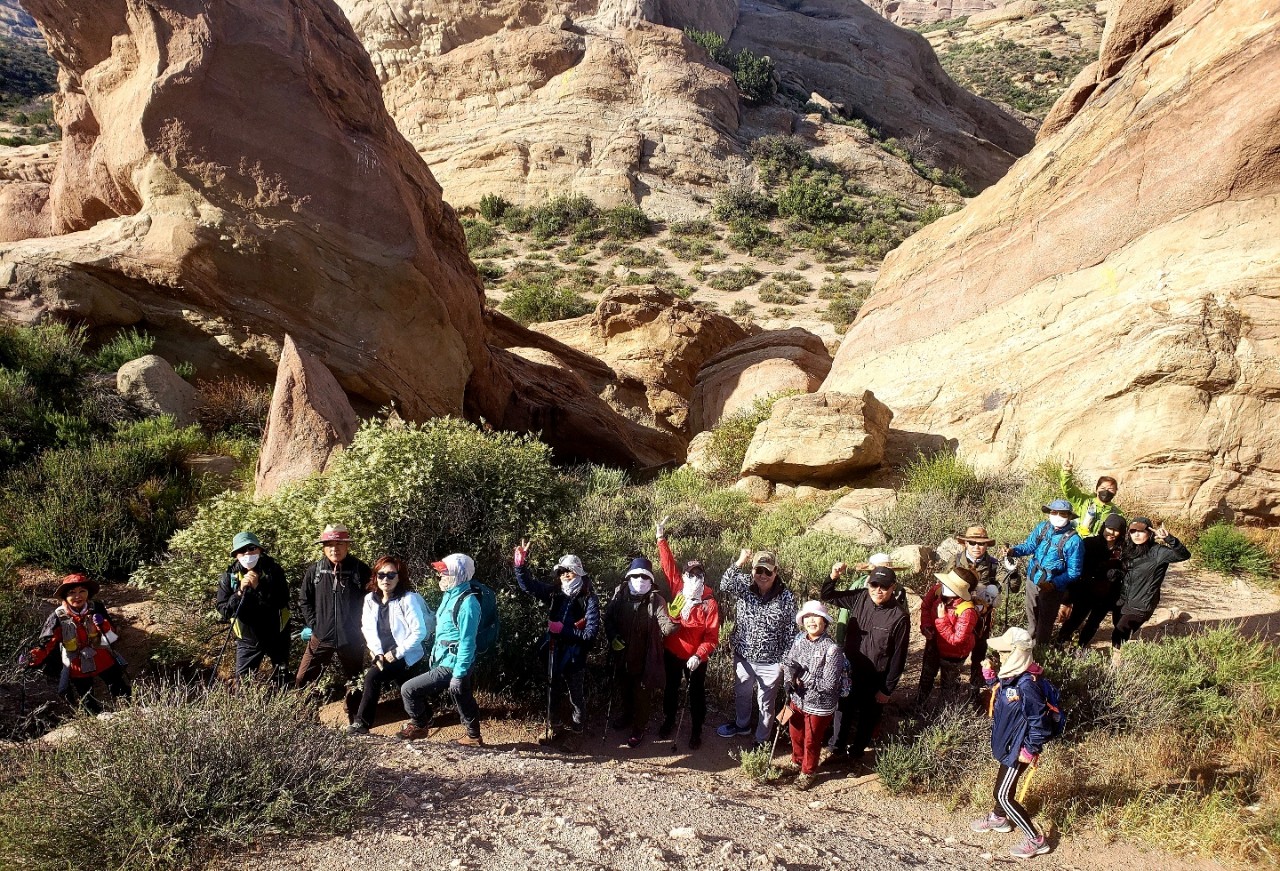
{"x":554,"y":627}
{"x":455,"y":684}
{"x":1025,"y":755}
{"x":618,"y":644}
{"x":693,"y":663}
{"x":305,"y":634}
{"x":675,"y":606}
{"x":25,"y":660}
{"x":660,"y":528}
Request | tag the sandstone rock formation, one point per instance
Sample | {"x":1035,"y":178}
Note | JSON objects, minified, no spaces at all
{"x":853,"y":515}
{"x":25,"y":174}
{"x":818,"y":437}
{"x":911,"y":12}
{"x":654,"y":343}
{"x":1116,"y":296}
{"x":152,"y":384}
{"x":15,"y":22}
{"x":758,"y":366}
{"x":534,"y":98}
{"x":309,"y":422}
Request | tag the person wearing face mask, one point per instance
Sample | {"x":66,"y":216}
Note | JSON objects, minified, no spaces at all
{"x":453,"y":656}
{"x":395,"y":623}
{"x":1056,"y":560}
{"x":696,"y":615}
{"x":876,"y":637}
{"x":636,"y":622}
{"x":986,"y":593}
{"x":763,"y":629}
{"x":81,"y":629}
{"x":253,"y":596}
{"x":573,"y":622}
{"x":1092,"y":508}
{"x":948,"y":620}
{"x":1094,"y":596}
{"x":331,"y":602}
{"x":1147,"y":556}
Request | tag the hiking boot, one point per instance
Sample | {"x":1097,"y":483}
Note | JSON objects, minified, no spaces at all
{"x":733,"y":730}
{"x":1030,"y":847}
{"x":695,"y":740}
{"x":357,"y":729}
{"x":471,"y":741}
{"x":635,"y":741}
{"x":664,"y":731}
{"x":790,"y":767}
{"x":411,"y":731}
{"x":804,"y":781}
{"x":573,"y":727}
{"x":992,"y":823}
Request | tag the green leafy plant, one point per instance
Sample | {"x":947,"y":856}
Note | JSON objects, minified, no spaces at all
{"x":1227,"y":549}
{"x":127,"y":345}
{"x":532,"y":301}
{"x":741,"y":203}
{"x":493,"y":207}
{"x":756,"y":764}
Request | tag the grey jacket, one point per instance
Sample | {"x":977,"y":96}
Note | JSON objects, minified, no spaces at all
{"x":819,"y":667}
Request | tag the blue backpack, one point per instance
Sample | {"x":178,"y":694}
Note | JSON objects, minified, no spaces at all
{"x":1054,"y":716}
{"x":487,"y":634}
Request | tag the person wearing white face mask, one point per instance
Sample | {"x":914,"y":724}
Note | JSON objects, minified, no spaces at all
{"x":697,"y":617}
{"x":253,"y":596}
{"x":1057,"y":559}
{"x":573,"y":622}
{"x":636,"y":622}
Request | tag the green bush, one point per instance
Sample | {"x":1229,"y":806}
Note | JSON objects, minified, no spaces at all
{"x":1226,"y":549}
{"x":730,"y":280}
{"x":933,"y":757}
{"x":493,"y":207}
{"x":754,"y":77}
{"x":740,"y":309}
{"x":757,"y":764}
{"x":732,"y":435}
{"x":177,"y":777}
{"x":625,"y":222}
{"x":752,"y":237}
{"x":807,"y":559}
{"x":480,"y":235}
{"x":778,"y":157}
{"x":564,"y":215}
{"x":534,"y":301}
{"x":103,"y":507}
{"x":127,"y":345}
{"x":741,"y":203}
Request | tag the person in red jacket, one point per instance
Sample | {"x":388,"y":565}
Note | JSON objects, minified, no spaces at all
{"x":697,"y":618}
{"x":948,"y":622}
{"x":81,"y":628}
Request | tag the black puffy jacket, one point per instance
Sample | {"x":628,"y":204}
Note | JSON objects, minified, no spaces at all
{"x":1144,"y":574}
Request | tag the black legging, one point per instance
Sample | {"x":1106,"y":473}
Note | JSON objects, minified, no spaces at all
{"x":697,"y":690}
{"x":1086,"y":616}
{"x":1005,"y":795}
{"x":1126,"y":624}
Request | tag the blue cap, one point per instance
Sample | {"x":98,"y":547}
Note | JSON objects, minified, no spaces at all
{"x":640,"y":566}
{"x":1060,"y":505}
{"x":243,"y":540}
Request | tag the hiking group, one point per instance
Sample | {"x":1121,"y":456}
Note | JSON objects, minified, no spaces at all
{"x":831,"y":676}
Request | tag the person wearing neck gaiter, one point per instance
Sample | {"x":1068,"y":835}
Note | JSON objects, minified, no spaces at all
{"x":81,"y":628}
{"x":697,"y":618}
{"x":636,"y":622}
{"x":1057,"y":560}
{"x":1018,"y":735}
{"x":573,"y":622}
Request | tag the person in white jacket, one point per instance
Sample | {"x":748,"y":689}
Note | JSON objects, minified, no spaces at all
{"x":396,"y":623}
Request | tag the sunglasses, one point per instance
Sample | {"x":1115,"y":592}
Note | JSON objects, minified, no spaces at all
{"x":880,"y":585}
{"x":388,"y":576}
{"x":761,"y":570}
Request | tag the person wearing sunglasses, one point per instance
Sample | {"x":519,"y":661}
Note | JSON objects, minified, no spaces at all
{"x":396,"y":623}
{"x":875,"y":642}
{"x":1148,"y":553}
{"x":253,"y":596}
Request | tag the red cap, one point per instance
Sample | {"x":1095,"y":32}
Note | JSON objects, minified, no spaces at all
{"x":440,"y":567}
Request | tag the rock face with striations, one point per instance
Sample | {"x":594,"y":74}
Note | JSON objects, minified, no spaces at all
{"x":819,"y":437}
{"x":1117,"y":296}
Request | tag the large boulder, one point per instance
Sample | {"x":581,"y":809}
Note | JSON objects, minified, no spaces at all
{"x":153,"y":385}
{"x":854,"y":515}
{"x":1116,"y":296}
{"x":822,"y":436}
{"x":310,"y":420}
{"x":778,"y":361}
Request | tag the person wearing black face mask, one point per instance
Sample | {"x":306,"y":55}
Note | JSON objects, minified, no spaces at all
{"x":1094,"y":507}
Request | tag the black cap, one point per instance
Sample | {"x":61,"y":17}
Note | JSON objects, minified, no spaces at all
{"x":1116,"y":522}
{"x":882,"y":577}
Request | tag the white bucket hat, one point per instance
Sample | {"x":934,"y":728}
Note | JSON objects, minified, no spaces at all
{"x":812,"y":608}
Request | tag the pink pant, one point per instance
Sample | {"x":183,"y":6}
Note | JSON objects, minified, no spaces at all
{"x":807,"y":732}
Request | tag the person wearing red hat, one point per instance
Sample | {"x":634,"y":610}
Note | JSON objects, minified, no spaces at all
{"x":332,"y":603}
{"x":81,"y":628}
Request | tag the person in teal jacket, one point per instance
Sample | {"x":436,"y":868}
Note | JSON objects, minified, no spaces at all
{"x":1092,"y":508}
{"x":453,"y":655}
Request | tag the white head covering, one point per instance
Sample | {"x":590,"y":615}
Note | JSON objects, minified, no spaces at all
{"x":1017,"y":646}
{"x":812,"y":608}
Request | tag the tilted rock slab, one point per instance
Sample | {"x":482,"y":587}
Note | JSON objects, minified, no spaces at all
{"x":310,"y":420}
{"x":1117,"y":296}
{"x":819,"y":437}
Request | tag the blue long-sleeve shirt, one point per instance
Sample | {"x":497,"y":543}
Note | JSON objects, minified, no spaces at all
{"x":1057,"y":555}
{"x":455,"y":646}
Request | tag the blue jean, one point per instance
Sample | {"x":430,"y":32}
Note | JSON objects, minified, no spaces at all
{"x":417,"y":693}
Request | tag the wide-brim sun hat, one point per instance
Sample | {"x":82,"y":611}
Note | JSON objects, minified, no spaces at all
{"x":876,"y":561}
{"x":959,"y":581}
{"x":1060,"y":505}
{"x":70,"y":582}
{"x":1014,"y":638}
{"x":976,"y":534}
{"x":335,"y":533}
{"x":812,"y":608}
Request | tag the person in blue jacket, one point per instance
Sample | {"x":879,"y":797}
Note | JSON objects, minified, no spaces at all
{"x":1018,"y":735}
{"x":1057,"y":559}
{"x":453,"y":655}
{"x":573,"y":622}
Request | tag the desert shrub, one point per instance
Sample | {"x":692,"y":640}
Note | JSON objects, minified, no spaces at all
{"x":533,"y":301}
{"x":753,"y":237}
{"x":932,"y":757}
{"x":171,"y":781}
{"x":638,"y":258}
{"x":841,"y":312}
{"x":773,"y":292}
{"x":931,"y":213}
{"x":756,"y":764}
{"x":1224,"y":548}
{"x":494,"y":207}
{"x":806,"y":560}
{"x":480,"y":234}
{"x":563,"y":215}
{"x":731,"y":436}
{"x":730,"y":280}
{"x":737,"y":203}
{"x":692,"y":248}
{"x":127,"y":345}
{"x":786,"y":519}
{"x":714,"y":45}
{"x":777,"y":157}
{"x":625,"y":222}
{"x":103,"y":507}
{"x":817,"y":198}
{"x":698,"y":228}
{"x":754,"y":77}
{"x":233,"y":405}
{"x":740,"y":309}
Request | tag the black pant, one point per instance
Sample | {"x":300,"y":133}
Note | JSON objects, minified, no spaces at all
{"x":249,"y":655}
{"x":860,"y":714}
{"x":931,"y":663}
{"x":697,"y":690}
{"x":1126,"y":625}
{"x":1006,"y":803}
{"x":374,"y":680}
{"x":80,"y":689}
{"x":1087,"y":616}
{"x":975,"y":659}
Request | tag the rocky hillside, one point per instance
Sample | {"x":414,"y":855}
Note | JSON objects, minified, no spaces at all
{"x":611,"y":99}
{"x":1115,"y":296}
{"x":16,"y":22}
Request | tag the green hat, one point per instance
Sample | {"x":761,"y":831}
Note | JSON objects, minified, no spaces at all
{"x":243,"y":540}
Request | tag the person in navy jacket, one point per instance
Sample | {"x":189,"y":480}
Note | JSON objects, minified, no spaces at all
{"x":1018,"y":734}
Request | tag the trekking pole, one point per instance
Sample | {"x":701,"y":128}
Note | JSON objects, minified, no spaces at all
{"x":551,"y":659}
{"x":675,"y":742}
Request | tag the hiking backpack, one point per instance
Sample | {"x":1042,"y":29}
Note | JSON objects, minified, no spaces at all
{"x":1060,"y":545}
{"x":487,"y":634}
{"x":1054,"y":716}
